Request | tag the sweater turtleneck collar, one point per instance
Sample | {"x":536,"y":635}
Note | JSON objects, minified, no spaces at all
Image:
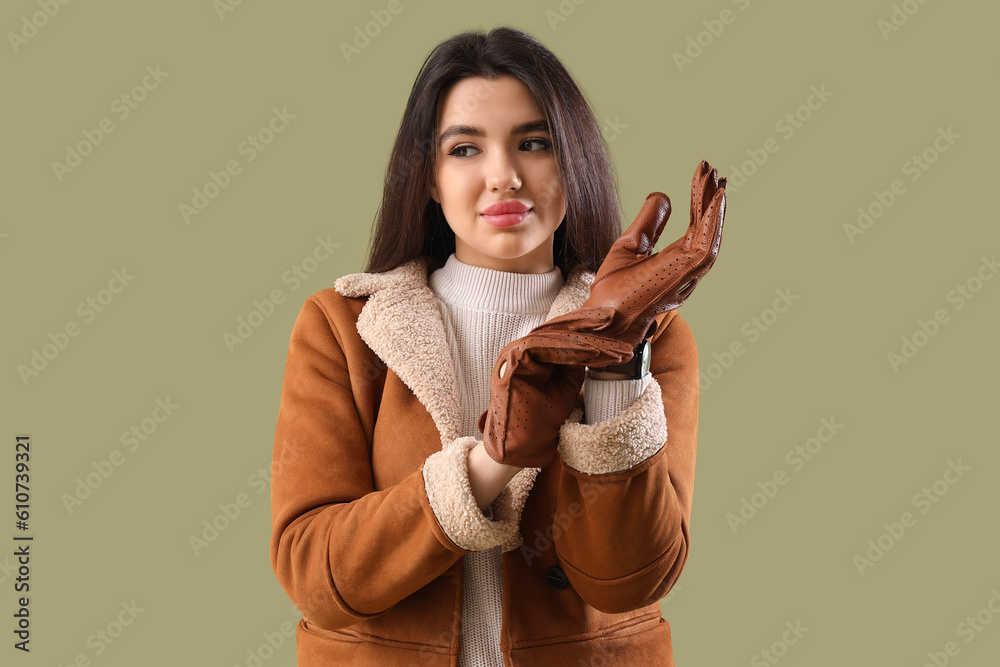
{"x":468,"y":286}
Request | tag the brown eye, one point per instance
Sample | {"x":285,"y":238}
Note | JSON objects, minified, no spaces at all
{"x":456,"y":149}
{"x":546,"y":144}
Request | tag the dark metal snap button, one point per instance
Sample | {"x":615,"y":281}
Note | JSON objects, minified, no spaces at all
{"x":556,"y":578}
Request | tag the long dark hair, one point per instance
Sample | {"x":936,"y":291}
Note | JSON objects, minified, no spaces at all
{"x":409,"y":223}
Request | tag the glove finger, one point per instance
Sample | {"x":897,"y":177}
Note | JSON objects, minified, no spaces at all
{"x":707,"y":239}
{"x":711,"y":185}
{"x":587,"y":351}
{"x":581,"y":319}
{"x":536,"y":351}
{"x":707,"y":249}
{"x":698,"y":182}
{"x":702,"y":233}
{"x":716,"y":217}
{"x":645,"y":230}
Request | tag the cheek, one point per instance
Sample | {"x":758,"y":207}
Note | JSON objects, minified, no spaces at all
{"x":552,"y":195}
{"x":453,"y":185}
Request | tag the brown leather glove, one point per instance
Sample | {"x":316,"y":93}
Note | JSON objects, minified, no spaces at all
{"x":638,"y":285}
{"x":536,"y":379}
{"x":535,"y":385}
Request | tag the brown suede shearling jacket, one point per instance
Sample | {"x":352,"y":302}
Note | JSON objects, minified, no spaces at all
{"x":372,"y":511}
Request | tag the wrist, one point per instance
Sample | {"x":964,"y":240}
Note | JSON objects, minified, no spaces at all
{"x":487,"y":477}
{"x":605,"y":374}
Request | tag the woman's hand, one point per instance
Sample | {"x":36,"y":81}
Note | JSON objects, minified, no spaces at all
{"x":537,"y":378}
{"x":535,"y":385}
{"x":639,"y":285}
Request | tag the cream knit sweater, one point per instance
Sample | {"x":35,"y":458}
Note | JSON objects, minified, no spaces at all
{"x":483,"y":311}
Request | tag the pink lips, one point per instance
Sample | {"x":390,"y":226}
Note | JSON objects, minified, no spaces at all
{"x":506,"y":213}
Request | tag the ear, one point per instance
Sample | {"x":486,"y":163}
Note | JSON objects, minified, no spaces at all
{"x":434,"y":192}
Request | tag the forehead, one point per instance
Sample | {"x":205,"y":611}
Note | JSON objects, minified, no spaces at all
{"x":498,"y":102}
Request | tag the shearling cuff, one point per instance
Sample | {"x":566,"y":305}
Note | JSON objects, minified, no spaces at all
{"x":446,"y":479}
{"x":619,"y":443}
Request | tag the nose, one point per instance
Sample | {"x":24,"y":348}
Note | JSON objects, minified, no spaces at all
{"x":502,"y":173}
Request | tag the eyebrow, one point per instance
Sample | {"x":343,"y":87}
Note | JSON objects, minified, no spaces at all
{"x":540,"y":125}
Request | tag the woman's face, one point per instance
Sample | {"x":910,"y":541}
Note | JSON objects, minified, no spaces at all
{"x":494,"y":146}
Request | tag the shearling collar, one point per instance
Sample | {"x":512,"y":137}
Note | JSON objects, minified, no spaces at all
{"x":403,"y":324}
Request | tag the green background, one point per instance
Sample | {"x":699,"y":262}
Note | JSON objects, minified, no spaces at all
{"x":826,"y":356}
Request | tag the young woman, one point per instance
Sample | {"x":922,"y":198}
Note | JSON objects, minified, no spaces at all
{"x":472,"y":463}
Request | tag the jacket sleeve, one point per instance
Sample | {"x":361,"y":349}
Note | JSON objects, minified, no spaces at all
{"x":342,"y":550}
{"x":628,"y":481}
